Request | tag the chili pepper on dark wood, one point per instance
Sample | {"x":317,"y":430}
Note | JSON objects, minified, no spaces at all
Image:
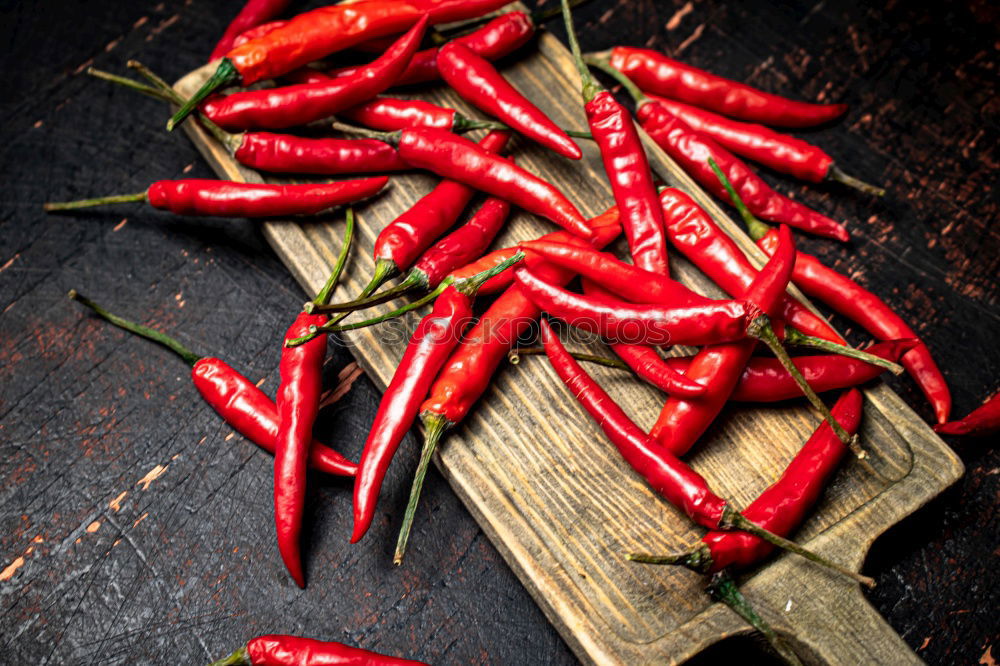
{"x":280,"y":650}
{"x":234,"y":397}
{"x":254,"y":13}
{"x":316,"y":34}
{"x":224,"y":198}
{"x":654,"y":72}
{"x":289,"y":106}
{"x":982,"y":421}
{"x":479,"y":83}
{"x":390,"y":114}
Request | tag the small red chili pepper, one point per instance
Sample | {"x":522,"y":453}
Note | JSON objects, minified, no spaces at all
{"x":234,"y":397}
{"x":277,"y":108}
{"x":224,"y":198}
{"x":656,"y":73}
{"x":256,"y":32}
{"x":318,"y":33}
{"x":390,"y":114}
{"x":280,"y":650}
{"x":982,"y":421}
{"x":254,"y":13}
{"x":479,"y":83}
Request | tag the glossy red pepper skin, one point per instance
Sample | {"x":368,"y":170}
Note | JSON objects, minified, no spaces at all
{"x":984,"y":420}
{"x":714,"y":323}
{"x":631,"y":180}
{"x":285,"y":153}
{"x":298,"y":399}
{"x":315,"y":34}
{"x":654,"y":72}
{"x":775,"y":150}
{"x":479,"y":83}
{"x":390,"y":114}
{"x":782,"y":507}
{"x":256,"y":32}
{"x":465,"y":243}
{"x":497,"y":38}
{"x":847,"y":297}
{"x":289,"y":106}
{"x":253,"y":414}
{"x":230,"y":199}
{"x":718,"y":367}
{"x":278,"y":650}
{"x":254,"y":13}
{"x":668,"y":476}
{"x":765,"y":380}
{"x":696,"y":235}
{"x":693,"y":150}
{"x":459,"y":159}
{"x":430,"y":345}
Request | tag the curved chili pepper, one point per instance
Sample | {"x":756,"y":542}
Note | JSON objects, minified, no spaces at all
{"x":763,"y":145}
{"x":315,"y":34}
{"x":233,"y":397}
{"x":224,"y":198}
{"x":479,"y":83}
{"x":276,"y":108}
{"x":254,"y":13}
{"x":389,"y":114}
{"x":656,"y":73}
{"x":285,"y":153}
{"x":984,"y":420}
{"x":256,"y":32}
{"x":280,"y":650}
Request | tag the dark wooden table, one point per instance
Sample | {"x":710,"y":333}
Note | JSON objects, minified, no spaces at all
{"x":137,"y":527}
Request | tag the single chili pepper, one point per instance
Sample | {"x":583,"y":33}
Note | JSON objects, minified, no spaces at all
{"x":984,"y":420}
{"x":254,"y":13}
{"x":257,"y":32}
{"x":782,"y":507}
{"x":668,"y":475}
{"x":234,"y":397}
{"x":276,"y":108}
{"x":850,"y":299}
{"x":691,"y":150}
{"x":763,"y":145}
{"x":389,"y":114}
{"x":626,"y":166}
{"x":223,"y":198}
{"x":479,"y":83}
{"x":316,"y":34}
{"x":280,"y":650}
{"x":656,"y":73}
{"x":432,"y":342}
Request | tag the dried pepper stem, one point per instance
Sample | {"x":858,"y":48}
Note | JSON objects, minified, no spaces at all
{"x":722,"y":588}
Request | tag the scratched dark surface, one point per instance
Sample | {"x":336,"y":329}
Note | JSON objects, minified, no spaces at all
{"x":134,"y":526}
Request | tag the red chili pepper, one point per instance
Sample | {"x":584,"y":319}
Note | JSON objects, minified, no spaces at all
{"x":984,"y":420}
{"x":276,"y":108}
{"x":234,"y":397}
{"x":761,"y":144}
{"x":390,"y":114}
{"x":256,"y":32}
{"x":480,"y":84}
{"x":279,"y":650}
{"x":318,"y":33}
{"x":224,"y":198}
{"x":285,"y":153}
{"x":254,"y":13}
{"x":656,"y":73}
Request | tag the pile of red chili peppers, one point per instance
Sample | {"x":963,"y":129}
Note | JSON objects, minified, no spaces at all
{"x":706,"y":123}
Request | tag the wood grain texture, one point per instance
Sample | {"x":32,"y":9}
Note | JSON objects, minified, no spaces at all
{"x":559,"y":504}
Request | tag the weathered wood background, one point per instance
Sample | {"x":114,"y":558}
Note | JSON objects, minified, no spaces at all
{"x":115,"y":479}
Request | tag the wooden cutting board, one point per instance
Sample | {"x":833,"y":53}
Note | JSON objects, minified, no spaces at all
{"x":554,"y":496}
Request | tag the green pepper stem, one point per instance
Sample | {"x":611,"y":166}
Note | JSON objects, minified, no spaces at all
{"x":435,"y":426}
{"x":239,"y":658}
{"x":463,"y":123}
{"x":541,"y":16}
{"x":415,"y":279}
{"x":834,"y":173}
{"x":100,"y":201}
{"x":579,"y":134}
{"x":722,"y":588}
{"x":226,"y":73}
{"x":144,"y":331}
{"x":392,"y":138}
{"x":793,"y":336}
{"x":470,"y":285}
{"x":149,"y":91}
{"x":698,"y":559}
{"x":345,"y":249}
{"x":588,"y":87}
{"x":514,"y":357}
{"x":755,"y":227}
{"x":601,"y":62}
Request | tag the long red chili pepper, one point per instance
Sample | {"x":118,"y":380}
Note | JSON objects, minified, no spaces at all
{"x":775,"y":150}
{"x":316,"y":34}
{"x":626,"y":166}
{"x":276,"y":108}
{"x":390,"y":114}
{"x":256,"y":32}
{"x":234,"y":397}
{"x":480,"y":84}
{"x":984,"y":420}
{"x":231,"y":199}
{"x":280,"y":650}
{"x":656,"y":73}
{"x":254,"y":13}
